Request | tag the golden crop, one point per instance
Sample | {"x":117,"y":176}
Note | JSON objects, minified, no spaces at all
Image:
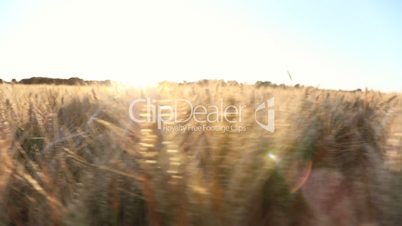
{"x":70,"y":155}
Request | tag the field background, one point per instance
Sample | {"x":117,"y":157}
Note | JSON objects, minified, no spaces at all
{"x":70,"y":155}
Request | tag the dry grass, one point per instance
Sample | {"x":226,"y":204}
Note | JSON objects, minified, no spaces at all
{"x":71,"y":156}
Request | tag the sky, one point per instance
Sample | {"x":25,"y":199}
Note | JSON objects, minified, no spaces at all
{"x":328,"y":44}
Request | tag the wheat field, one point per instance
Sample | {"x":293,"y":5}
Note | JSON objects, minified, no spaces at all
{"x":71,"y":155}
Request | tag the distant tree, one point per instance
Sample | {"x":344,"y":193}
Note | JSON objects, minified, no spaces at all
{"x":73,"y":81}
{"x":203,"y":82}
{"x":263,"y":84}
{"x":13,"y":80}
{"x":233,"y":83}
